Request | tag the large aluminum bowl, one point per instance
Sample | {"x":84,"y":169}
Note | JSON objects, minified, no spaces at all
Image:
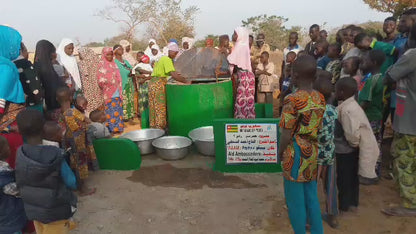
{"x":203,"y":138}
{"x":144,"y":138}
{"x":172,"y":147}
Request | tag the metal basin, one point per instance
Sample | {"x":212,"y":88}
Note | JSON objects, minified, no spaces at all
{"x":203,"y":138}
{"x":172,"y":147}
{"x":144,"y":138}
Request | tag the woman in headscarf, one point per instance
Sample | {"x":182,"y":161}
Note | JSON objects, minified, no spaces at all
{"x":88,"y":66}
{"x":66,"y":58}
{"x":127,"y":52}
{"x":148,"y":50}
{"x":209,"y":43}
{"x":144,"y":69}
{"x":127,"y":82}
{"x":109,"y":81}
{"x":157,"y":87}
{"x":239,"y":60}
{"x":130,"y":58}
{"x":12,"y":97}
{"x":45,"y":53}
{"x":165,"y":50}
{"x":155,"y":54}
{"x":187,"y":44}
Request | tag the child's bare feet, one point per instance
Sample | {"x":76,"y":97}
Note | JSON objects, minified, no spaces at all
{"x":87,"y":192}
{"x":331,"y":220}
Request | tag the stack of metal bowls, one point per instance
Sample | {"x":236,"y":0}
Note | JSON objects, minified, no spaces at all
{"x":172,"y":147}
{"x":144,"y":138}
{"x":203,"y":138}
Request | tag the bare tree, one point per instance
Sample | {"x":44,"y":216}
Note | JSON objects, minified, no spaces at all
{"x":396,"y":7}
{"x":169,"y":20}
{"x":165,"y":18}
{"x":128,"y":13}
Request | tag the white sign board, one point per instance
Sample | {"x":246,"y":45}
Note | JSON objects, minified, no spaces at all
{"x":251,"y":143}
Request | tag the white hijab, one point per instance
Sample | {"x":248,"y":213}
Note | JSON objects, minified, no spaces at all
{"x":240,"y":55}
{"x":69,"y":62}
{"x":190,"y":41}
{"x":148,"y":50}
{"x":155,"y":58}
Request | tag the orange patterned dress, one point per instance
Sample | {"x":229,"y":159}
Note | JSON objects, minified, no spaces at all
{"x":303,"y":114}
{"x":82,"y":151}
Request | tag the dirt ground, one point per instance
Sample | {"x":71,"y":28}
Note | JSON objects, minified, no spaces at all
{"x":188,"y":197}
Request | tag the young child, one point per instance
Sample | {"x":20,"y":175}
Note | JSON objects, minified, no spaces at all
{"x":334,"y":66}
{"x":321,"y":51}
{"x":355,"y":145}
{"x":301,"y":118}
{"x":41,"y":169}
{"x":82,"y":151}
{"x":12,"y":213}
{"x":351,"y":67}
{"x":326,"y":158}
{"x":81,"y":103}
{"x":97,"y":128}
{"x":265,"y":72}
{"x":143,"y":71}
{"x":32,"y":86}
{"x":52,"y":134}
{"x":62,"y":72}
{"x":371,"y":99}
{"x":290,"y":58}
{"x":364,"y":42}
{"x":286,"y":87}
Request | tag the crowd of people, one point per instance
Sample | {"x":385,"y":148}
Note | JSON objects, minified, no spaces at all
{"x":335,"y":100}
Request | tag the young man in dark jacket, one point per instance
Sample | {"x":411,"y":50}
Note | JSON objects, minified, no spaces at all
{"x":44,"y":178}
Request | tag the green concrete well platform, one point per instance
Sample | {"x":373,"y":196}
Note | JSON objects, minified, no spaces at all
{"x":197,"y":105}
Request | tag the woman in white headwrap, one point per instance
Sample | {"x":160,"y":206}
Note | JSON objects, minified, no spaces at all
{"x":127,"y":55}
{"x":148,"y":50}
{"x":187,"y":44}
{"x":66,"y":58}
{"x":155,"y":54}
{"x":239,"y":59}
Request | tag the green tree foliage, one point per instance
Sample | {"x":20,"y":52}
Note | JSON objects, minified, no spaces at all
{"x":127,"y":13}
{"x":95,"y":44}
{"x":396,"y":7}
{"x":273,"y":28}
{"x":137,"y":44}
{"x":202,"y":43}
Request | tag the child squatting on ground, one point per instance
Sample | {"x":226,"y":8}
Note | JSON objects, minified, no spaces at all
{"x":355,"y":145}
{"x":302,"y":116}
{"x":44,"y":178}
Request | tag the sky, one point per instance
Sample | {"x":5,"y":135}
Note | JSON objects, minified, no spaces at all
{"x":56,"y":19}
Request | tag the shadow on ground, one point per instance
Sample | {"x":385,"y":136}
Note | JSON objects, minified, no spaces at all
{"x":188,"y":178}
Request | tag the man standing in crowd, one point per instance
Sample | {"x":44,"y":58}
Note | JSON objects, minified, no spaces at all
{"x":389,"y":28}
{"x":314,"y":34}
{"x":259,"y":47}
{"x":404,"y":142}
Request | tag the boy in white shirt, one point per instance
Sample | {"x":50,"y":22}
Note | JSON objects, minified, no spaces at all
{"x":267,"y":79}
